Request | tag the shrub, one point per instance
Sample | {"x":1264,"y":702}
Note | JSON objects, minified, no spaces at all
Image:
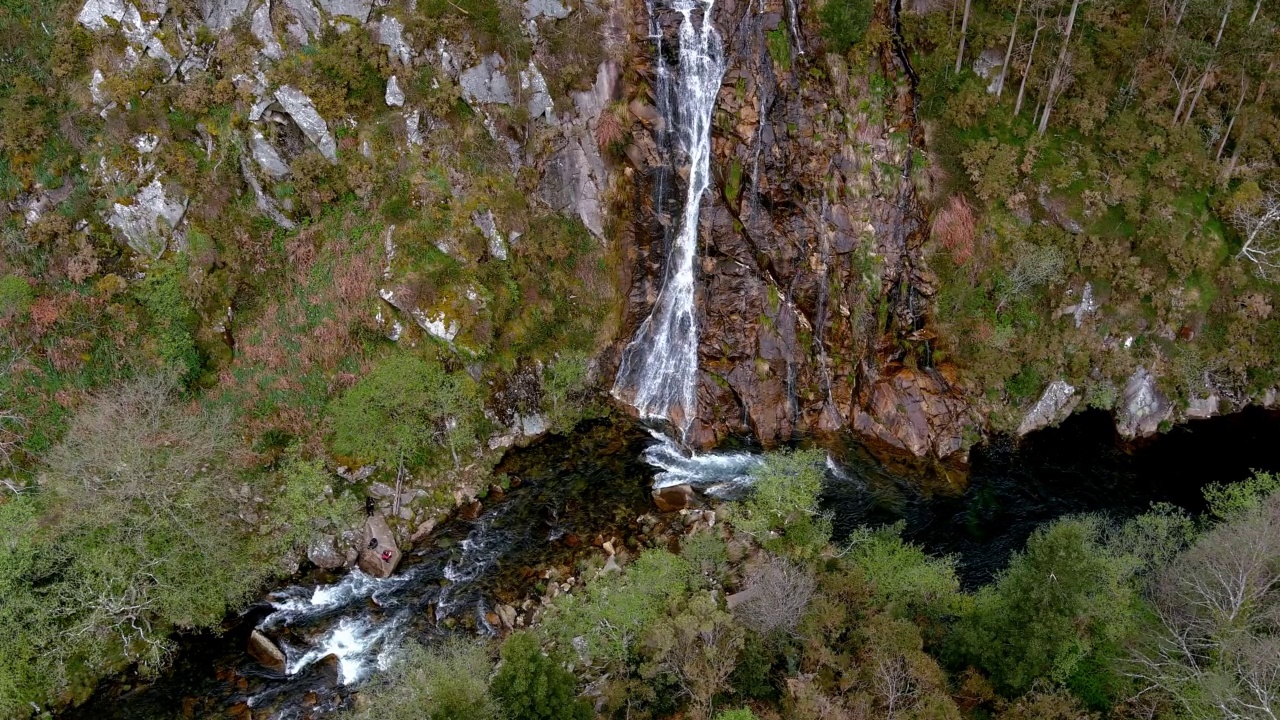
{"x":778,"y":593}
{"x":139,"y":538}
{"x":739,"y":714}
{"x":782,"y":512}
{"x":844,"y":22}
{"x":1060,"y":602}
{"x":173,"y":321}
{"x":407,"y":409}
{"x":532,"y":686}
{"x":15,"y":296}
{"x":602,"y":622}
{"x":697,"y":644}
{"x":446,"y":683}
{"x":905,"y":581}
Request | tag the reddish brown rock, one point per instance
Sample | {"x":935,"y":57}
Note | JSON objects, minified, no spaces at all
{"x":676,"y":497}
{"x":266,"y":652}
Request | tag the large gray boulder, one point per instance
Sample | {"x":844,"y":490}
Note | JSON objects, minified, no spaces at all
{"x":1054,"y":405}
{"x":147,"y":218}
{"x":487,"y":82}
{"x":322,"y":552}
{"x":265,"y":153}
{"x":260,"y":26}
{"x":358,"y":9}
{"x":303,"y":111}
{"x":1144,"y":407}
{"x":573,"y":182}
{"x":381,"y":560}
{"x":545,"y":8}
{"x":219,"y":15}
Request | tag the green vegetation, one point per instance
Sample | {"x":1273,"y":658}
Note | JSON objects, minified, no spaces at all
{"x":1123,"y":146}
{"x":450,"y":682}
{"x":844,"y":22}
{"x":532,"y":686}
{"x":1087,"y":621}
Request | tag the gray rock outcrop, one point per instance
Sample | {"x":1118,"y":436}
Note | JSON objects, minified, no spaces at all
{"x":303,"y":111}
{"x":545,"y":8}
{"x":358,"y":9}
{"x":394,"y":95}
{"x":139,"y":221}
{"x":1054,"y":405}
{"x":261,"y":27}
{"x":1144,"y":407}
{"x":219,"y":15}
{"x":487,"y":82}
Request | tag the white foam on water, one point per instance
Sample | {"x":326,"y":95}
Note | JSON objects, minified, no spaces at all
{"x":723,"y":475}
{"x":356,"y":642}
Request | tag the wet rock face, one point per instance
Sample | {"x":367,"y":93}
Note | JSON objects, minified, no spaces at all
{"x":809,"y":228}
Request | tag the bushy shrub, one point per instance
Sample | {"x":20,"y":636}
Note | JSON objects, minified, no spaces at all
{"x":782,"y":511}
{"x":905,"y":581}
{"x":603,"y":622}
{"x":532,"y":686}
{"x":408,"y":409}
{"x":844,"y":22}
{"x":450,"y":682}
{"x":1062,"y":601}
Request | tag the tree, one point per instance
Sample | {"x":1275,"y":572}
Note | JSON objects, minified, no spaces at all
{"x":777,"y":592}
{"x":1059,"y":601}
{"x":1258,"y":224}
{"x":532,"y":686}
{"x":782,"y":512}
{"x":964,"y":27}
{"x":1214,"y":649}
{"x":1031,"y":56}
{"x":1061,"y":75}
{"x":697,"y":644}
{"x":406,"y":409}
{"x":449,"y":682}
{"x":1008,"y":51}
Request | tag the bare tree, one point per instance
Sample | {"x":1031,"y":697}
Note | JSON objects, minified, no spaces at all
{"x":1008,"y":51}
{"x":1031,"y":56}
{"x":1260,"y":226}
{"x":1217,"y":654}
{"x":698,"y":646}
{"x":777,"y":592}
{"x":964,"y":26}
{"x":895,"y":685}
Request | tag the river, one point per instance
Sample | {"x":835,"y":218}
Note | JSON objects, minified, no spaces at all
{"x":340,"y":630}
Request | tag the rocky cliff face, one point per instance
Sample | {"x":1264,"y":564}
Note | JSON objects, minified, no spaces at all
{"x":813,"y":295}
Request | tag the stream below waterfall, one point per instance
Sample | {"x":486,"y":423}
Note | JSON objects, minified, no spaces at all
{"x":339,"y":631}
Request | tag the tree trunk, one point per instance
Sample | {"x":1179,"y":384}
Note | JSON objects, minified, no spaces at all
{"x":1196,"y":98}
{"x":1059,"y":70}
{"x":1244,"y":84}
{"x":1183,"y":92}
{"x":1225,"y":14}
{"x":964,"y":27}
{"x":1022,"y":88}
{"x":1008,"y":52}
{"x":1256,"y":8}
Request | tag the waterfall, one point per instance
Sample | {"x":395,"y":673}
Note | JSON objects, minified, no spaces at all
{"x":659,"y":370}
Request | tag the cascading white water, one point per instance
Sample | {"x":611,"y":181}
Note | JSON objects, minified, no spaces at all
{"x":658,"y":373}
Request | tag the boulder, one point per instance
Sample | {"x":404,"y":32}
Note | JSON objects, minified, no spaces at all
{"x":486,"y":82}
{"x":674,"y":497}
{"x":534,"y":87}
{"x":139,"y":221}
{"x":1055,"y":404}
{"x":545,"y":8}
{"x":1144,"y":407}
{"x":265,"y":153}
{"x":219,"y":15}
{"x":260,"y":26}
{"x":573,"y":180}
{"x":303,"y":111}
{"x":507,"y":615}
{"x":391,"y":34}
{"x":358,"y":9}
{"x":1201,"y":408}
{"x":371,"y":559}
{"x":394,"y":95}
{"x":267,"y":653}
{"x":322,"y":552}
